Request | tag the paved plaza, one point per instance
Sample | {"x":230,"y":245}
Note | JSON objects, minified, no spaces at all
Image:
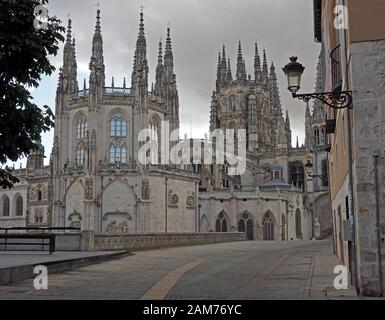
{"x":238,"y":270}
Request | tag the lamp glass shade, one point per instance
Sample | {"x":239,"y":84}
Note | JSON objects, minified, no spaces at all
{"x":294,"y":80}
{"x":293,"y":71}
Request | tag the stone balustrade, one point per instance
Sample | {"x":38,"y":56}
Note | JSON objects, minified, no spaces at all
{"x":143,"y":241}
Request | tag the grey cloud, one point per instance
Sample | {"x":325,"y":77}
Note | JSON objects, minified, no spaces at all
{"x":199,"y":28}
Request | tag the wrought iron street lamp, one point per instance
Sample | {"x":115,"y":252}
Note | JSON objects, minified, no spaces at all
{"x":335,"y":99}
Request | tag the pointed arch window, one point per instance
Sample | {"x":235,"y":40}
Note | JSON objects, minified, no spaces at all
{"x":154,"y":137}
{"x":268,"y":224}
{"x":81,"y":127}
{"x":80,"y":155}
{"x":221,"y":223}
{"x":231,"y":104}
{"x":298,"y":224}
{"x":18,"y":205}
{"x":118,"y":151}
{"x":118,"y":126}
{"x":5,"y":206}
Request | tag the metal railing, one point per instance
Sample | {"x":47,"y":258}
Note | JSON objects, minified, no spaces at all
{"x":43,"y":235}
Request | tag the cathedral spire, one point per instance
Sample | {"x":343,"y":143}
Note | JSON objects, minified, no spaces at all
{"x":224,"y":65}
{"x":160,"y":54}
{"x":171,"y":91}
{"x":140,"y":70}
{"x":287,"y":120}
{"x":265,"y":68}
{"x":97,"y":68}
{"x":229,"y":75}
{"x":318,"y":113}
{"x":168,"y":57}
{"x":241,"y":72}
{"x":219,"y":70}
{"x":213,"y":112}
{"x":274,"y":94}
{"x":257,"y":65}
{"x":69,"y":62}
{"x":69,"y":32}
{"x":159,"y":74}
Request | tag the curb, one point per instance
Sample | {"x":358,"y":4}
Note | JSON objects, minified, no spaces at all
{"x":18,"y":273}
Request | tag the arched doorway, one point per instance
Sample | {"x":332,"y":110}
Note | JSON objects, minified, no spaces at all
{"x":245,"y":224}
{"x":298,"y":224}
{"x":283,"y":228}
{"x":221,"y":223}
{"x":268,"y":223}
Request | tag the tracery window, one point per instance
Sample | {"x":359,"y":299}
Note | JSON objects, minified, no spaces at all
{"x":81,"y":127}
{"x":79,"y":155}
{"x":118,"y":151}
{"x":118,"y":126}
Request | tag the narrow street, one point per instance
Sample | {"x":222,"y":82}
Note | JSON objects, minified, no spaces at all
{"x":239,"y":270}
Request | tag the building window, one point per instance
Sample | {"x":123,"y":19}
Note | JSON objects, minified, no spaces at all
{"x":154,"y":138}
{"x":118,"y":125}
{"x":221,"y":223}
{"x":245,"y":224}
{"x":297,"y":174}
{"x":298,"y":224}
{"x":231,"y":104}
{"x":325,"y":180}
{"x":18,"y":205}
{"x":80,"y":156}
{"x":252,"y":109}
{"x":5,"y":206}
{"x":118,"y":151}
{"x":268,"y":224}
{"x":316,"y":137}
{"x":81,"y":127}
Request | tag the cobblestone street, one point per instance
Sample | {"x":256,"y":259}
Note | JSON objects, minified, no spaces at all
{"x":240,"y":270}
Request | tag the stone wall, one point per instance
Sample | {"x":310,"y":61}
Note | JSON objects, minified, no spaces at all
{"x":368,"y":70}
{"x":159,"y":240}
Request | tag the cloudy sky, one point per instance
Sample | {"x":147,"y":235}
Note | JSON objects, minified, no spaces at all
{"x":199,"y":29}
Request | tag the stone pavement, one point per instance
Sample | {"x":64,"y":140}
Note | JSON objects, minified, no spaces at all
{"x":240,"y":270}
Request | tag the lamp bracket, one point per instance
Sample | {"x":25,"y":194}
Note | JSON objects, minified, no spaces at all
{"x":335,"y":99}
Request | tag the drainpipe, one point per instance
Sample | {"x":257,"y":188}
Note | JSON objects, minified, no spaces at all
{"x":166,"y":205}
{"x":334,"y":230}
{"x":350,"y":157}
{"x":378,"y":230}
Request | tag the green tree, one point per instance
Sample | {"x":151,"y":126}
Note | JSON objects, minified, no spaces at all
{"x":24,"y":57}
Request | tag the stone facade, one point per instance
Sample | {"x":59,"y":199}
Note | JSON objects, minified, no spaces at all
{"x":95,"y":181}
{"x":275,"y":192}
{"x":368,"y":70}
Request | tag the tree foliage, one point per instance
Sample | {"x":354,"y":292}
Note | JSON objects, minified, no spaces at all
{"x":24,"y":58}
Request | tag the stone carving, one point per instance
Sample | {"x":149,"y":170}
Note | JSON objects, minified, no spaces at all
{"x":173,"y":199}
{"x":93,"y":140}
{"x":190,"y":202}
{"x":114,"y":227}
{"x":145,"y":190}
{"x":55,"y":147}
{"x":88,"y":190}
{"x":75,"y":219}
